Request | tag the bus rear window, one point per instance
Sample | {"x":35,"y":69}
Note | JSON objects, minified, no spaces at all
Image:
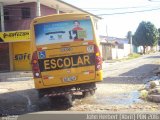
{"x":64,"y":31}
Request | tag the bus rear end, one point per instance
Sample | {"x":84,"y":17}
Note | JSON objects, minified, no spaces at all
{"x":65,"y":56}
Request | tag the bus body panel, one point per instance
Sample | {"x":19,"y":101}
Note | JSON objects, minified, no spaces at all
{"x":40,"y":85}
{"x":65,"y":63}
{"x":66,"y":50}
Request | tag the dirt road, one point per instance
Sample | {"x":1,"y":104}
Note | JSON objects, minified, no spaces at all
{"x":117,"y":92}
{"x":119,"y":89}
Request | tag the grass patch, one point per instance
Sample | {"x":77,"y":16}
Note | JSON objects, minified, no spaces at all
{"x":129,"y":57}
{"x":133,"y":55}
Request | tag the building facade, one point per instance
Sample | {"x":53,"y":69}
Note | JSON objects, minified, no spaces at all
{"x":114,"y":48}
{"x":16,"y":16}
{"x":15,"y":55}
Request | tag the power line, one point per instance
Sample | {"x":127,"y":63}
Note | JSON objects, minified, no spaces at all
{"x":95,"y":9}
{"x":100,"y":9}
{"x":130,"y":12}
{"x":153,"y":0}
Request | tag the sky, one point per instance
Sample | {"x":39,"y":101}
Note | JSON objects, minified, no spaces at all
{"x":117,"y":25}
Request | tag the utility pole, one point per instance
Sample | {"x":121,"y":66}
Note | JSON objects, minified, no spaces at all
{"x":2,"y":17}
{"x":57,"y":9}
{"x":38,"y":12}
{"x":106,"y":30}
{"x":130,"y":40}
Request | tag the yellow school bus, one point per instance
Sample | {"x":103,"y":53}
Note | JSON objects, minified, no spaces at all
{"x":65,"y":54}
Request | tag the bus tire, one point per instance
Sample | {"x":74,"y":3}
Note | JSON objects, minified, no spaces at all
{"x":69,"y":100}
{"x":92,"y":92}
{"x":86,"y":94}
{"x":40,"y":93}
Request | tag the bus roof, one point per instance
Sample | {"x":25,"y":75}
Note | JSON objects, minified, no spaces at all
{"x":60,"y":17}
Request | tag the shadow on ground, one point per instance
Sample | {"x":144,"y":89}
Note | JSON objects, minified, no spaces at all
{"x":157,"y":57}
{"x":134,"y":76}
{"x":26,"y":101}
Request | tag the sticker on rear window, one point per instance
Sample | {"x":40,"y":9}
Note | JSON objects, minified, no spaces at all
{"x":42,"y":55}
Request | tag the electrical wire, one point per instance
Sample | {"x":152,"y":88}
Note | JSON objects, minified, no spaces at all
{"x":100,"y":9}
{"x":96,"y":9}
{"x":138,"y":11}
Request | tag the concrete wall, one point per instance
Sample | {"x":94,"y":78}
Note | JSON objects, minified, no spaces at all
{"x":120,"y":53}
{"x":148,"y":49}
{"x":106,"y":51}
{"x":127,"y":49}
{"x":157,"y":48}
{"x":47,"y":10}
{"x":117,"y":53}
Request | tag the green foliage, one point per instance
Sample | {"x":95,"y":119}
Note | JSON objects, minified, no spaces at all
{"x":146,"y":35}
{"x":158,"y":33}
{"x":159,"y":30}
{"x":159,"y":37}
{"x":129,"y":57}
{"x":134,"y":55}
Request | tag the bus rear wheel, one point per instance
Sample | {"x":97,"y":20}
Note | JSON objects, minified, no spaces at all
{"x":88,"y":93}
{"x":92,"y":92}
{"x":69,"y":99}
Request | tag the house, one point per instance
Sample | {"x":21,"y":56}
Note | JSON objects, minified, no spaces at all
{"x":16,"y":16}
{"x":114,"y":48}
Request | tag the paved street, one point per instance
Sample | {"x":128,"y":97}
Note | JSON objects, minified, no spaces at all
{"x":117,"y":92}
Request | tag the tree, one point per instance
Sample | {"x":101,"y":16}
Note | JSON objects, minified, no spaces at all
{"x":145,"y":35}
{"x":159,"y":36}
{"x":159,"y":30}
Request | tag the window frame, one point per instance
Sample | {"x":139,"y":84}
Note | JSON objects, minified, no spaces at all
{"x":6,"y":15}
{"x":26,"y":12}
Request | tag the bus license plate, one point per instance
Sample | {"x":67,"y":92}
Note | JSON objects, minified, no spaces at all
{"x":68,"y":79}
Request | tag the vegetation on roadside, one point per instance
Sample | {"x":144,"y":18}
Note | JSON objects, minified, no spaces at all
{"x":146,"y":35}
{"x":130,"y":56}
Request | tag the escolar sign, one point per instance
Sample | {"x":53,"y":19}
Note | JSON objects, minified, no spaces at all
{"x":15,"y":36}
{"x":66,"y":62}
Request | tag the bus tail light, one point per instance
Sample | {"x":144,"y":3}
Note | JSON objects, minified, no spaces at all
{"x":35,"y":66}
{"x":98,"y":58}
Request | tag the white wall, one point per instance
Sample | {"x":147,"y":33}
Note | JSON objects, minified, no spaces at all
{"x":121,"y":53}
{"x":127,"y":49}
{"x":114,"y":53}
{"x":140,"y":49}
{"x":155,"y":48}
